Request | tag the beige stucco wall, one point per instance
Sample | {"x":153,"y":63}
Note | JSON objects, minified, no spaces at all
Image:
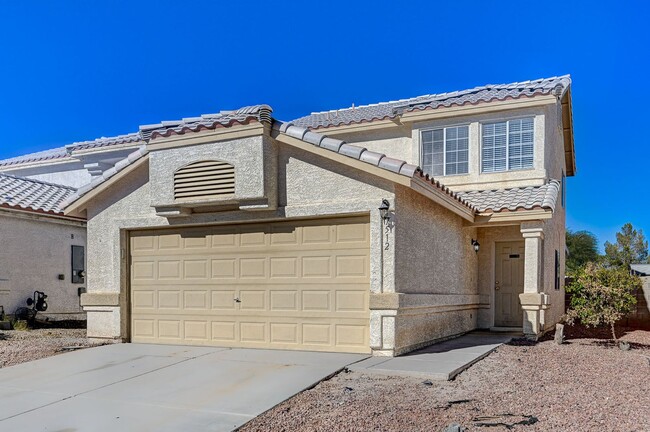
{"x":435,"y":270}
{"x":307,"y":185}
{"x":35,"y":250}
{"x":252,"y":158}
{"x":395,"y":142}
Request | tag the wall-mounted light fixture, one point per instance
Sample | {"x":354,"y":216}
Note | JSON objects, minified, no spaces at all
{"x":476,"y":245}
{"x":383,"y":209}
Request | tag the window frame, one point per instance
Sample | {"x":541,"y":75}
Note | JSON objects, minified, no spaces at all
{"x":444,"y":150}
{"x":507,"y":120}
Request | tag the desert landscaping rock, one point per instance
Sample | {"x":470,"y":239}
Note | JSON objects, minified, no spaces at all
{"x":581,"y":385}
{"x":22,"y":346}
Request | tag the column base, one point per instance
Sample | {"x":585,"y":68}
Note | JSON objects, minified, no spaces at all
{"x":534,"y":305}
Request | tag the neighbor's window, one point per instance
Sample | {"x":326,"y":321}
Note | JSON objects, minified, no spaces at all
{"x":445,"y":151}
{"x":507,"y":145}
{"x":78,"y":265}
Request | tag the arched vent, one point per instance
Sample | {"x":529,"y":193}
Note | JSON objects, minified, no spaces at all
{"x":204,"y":180}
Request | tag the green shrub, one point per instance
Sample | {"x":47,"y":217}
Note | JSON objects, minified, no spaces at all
{"x":601,"y":295}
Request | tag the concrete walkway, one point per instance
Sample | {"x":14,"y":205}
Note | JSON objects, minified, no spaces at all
{"x":134,"y":387}
{"x":442,"y":361}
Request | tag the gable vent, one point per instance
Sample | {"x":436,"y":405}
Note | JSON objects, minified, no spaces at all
{"x":204,"y":180}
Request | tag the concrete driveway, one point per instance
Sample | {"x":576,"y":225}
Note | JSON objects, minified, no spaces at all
{"x":134,"y":387}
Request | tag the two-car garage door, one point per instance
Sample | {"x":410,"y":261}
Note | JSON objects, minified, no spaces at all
{"x":287,"y":285}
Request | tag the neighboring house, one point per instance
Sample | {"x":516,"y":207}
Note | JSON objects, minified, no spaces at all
{"x":641,"y":315}
{"x":324,"y":233}
{"x":75,"y":164}
{"x":42,"y":249}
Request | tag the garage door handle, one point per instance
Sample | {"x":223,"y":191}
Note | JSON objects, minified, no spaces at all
{"x":237,"y":300}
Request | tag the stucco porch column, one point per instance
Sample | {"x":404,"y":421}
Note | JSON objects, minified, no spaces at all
{"x":533,"y":300}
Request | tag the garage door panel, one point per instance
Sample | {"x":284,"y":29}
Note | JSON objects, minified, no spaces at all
{"x":289,"y":285}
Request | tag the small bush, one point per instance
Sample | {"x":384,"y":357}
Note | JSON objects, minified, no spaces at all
{"x":601,"y":296}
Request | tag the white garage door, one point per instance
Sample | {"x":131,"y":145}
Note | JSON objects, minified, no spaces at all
{"x":287,"y":285}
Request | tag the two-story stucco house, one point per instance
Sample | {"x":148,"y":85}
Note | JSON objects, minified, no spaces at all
{"x":373,"y":229}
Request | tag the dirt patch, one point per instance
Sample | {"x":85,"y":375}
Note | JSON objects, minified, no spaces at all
{"x":583,"y":385}
{"x":23,"y":346}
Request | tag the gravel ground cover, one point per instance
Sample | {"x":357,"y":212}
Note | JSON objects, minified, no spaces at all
{"x":586,"y":384}
{"x":23,"y":346}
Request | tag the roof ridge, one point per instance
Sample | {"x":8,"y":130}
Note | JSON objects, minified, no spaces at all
{"x":43,"y":182}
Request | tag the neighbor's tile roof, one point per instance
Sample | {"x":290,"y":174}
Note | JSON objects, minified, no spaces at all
{"x":389,"y":110}
{"x":121,"y":165}
{"x":523,"y":198}
{"x":134,"y":137}
{"x":243,"y":115}
{"x":33,"y":195}
{"x":55,"y":153}
{"x":641,"y":269}
{"x":63,"y":152}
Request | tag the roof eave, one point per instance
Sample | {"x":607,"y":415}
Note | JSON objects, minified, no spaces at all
{"x":505,"y":217}
{"x":567,"y":131}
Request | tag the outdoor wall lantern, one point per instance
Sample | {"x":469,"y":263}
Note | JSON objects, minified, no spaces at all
{"x":476,"y":245}
{"x":383,"y":210}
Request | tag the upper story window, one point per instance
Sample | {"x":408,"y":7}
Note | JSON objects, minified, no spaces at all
{"x":507,"y":145}
{"x":445,"y":151}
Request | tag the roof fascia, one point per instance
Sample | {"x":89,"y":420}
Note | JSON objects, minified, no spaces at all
{"x":440,"y":112}
{"x":511,"y":217}
{"x":441,"y":198}
{"x":20,"y":213}
{"x":190,"y":138}
{"x":480,"y":108}
{"x":77,"y":208}
{"x":36,"y":164}
{"x":106,"y":148}
{"x":567,"y":125}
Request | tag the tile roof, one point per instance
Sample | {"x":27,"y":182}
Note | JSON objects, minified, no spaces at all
{"x":243,"y":115}
{"x":106,"y":175}
{"x":134,"y":137}
{"x":55,"y":153}
{"x":641,"y":269}
{"x":379,"y":160}
{"x":33,"y":195}
{"x":389,"y":110}
{"x":523,"y":198}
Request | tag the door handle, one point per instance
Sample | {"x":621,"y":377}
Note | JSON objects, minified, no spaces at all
{"x":237,"y":300}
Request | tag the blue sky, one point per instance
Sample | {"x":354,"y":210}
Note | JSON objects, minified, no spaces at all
{"x":77,"y":70}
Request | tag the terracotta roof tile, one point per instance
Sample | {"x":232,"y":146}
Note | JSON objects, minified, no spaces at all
{"x":389,"y":110}
{"x":524,"y":198}
{"x":245,"y":115}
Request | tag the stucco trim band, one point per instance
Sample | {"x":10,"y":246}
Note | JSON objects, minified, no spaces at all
{"x":100,"y":299}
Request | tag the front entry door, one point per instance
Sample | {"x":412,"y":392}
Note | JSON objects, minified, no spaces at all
{"x":508,"y":284}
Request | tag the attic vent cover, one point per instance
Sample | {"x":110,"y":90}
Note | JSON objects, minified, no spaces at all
{"x":204,"y":180}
